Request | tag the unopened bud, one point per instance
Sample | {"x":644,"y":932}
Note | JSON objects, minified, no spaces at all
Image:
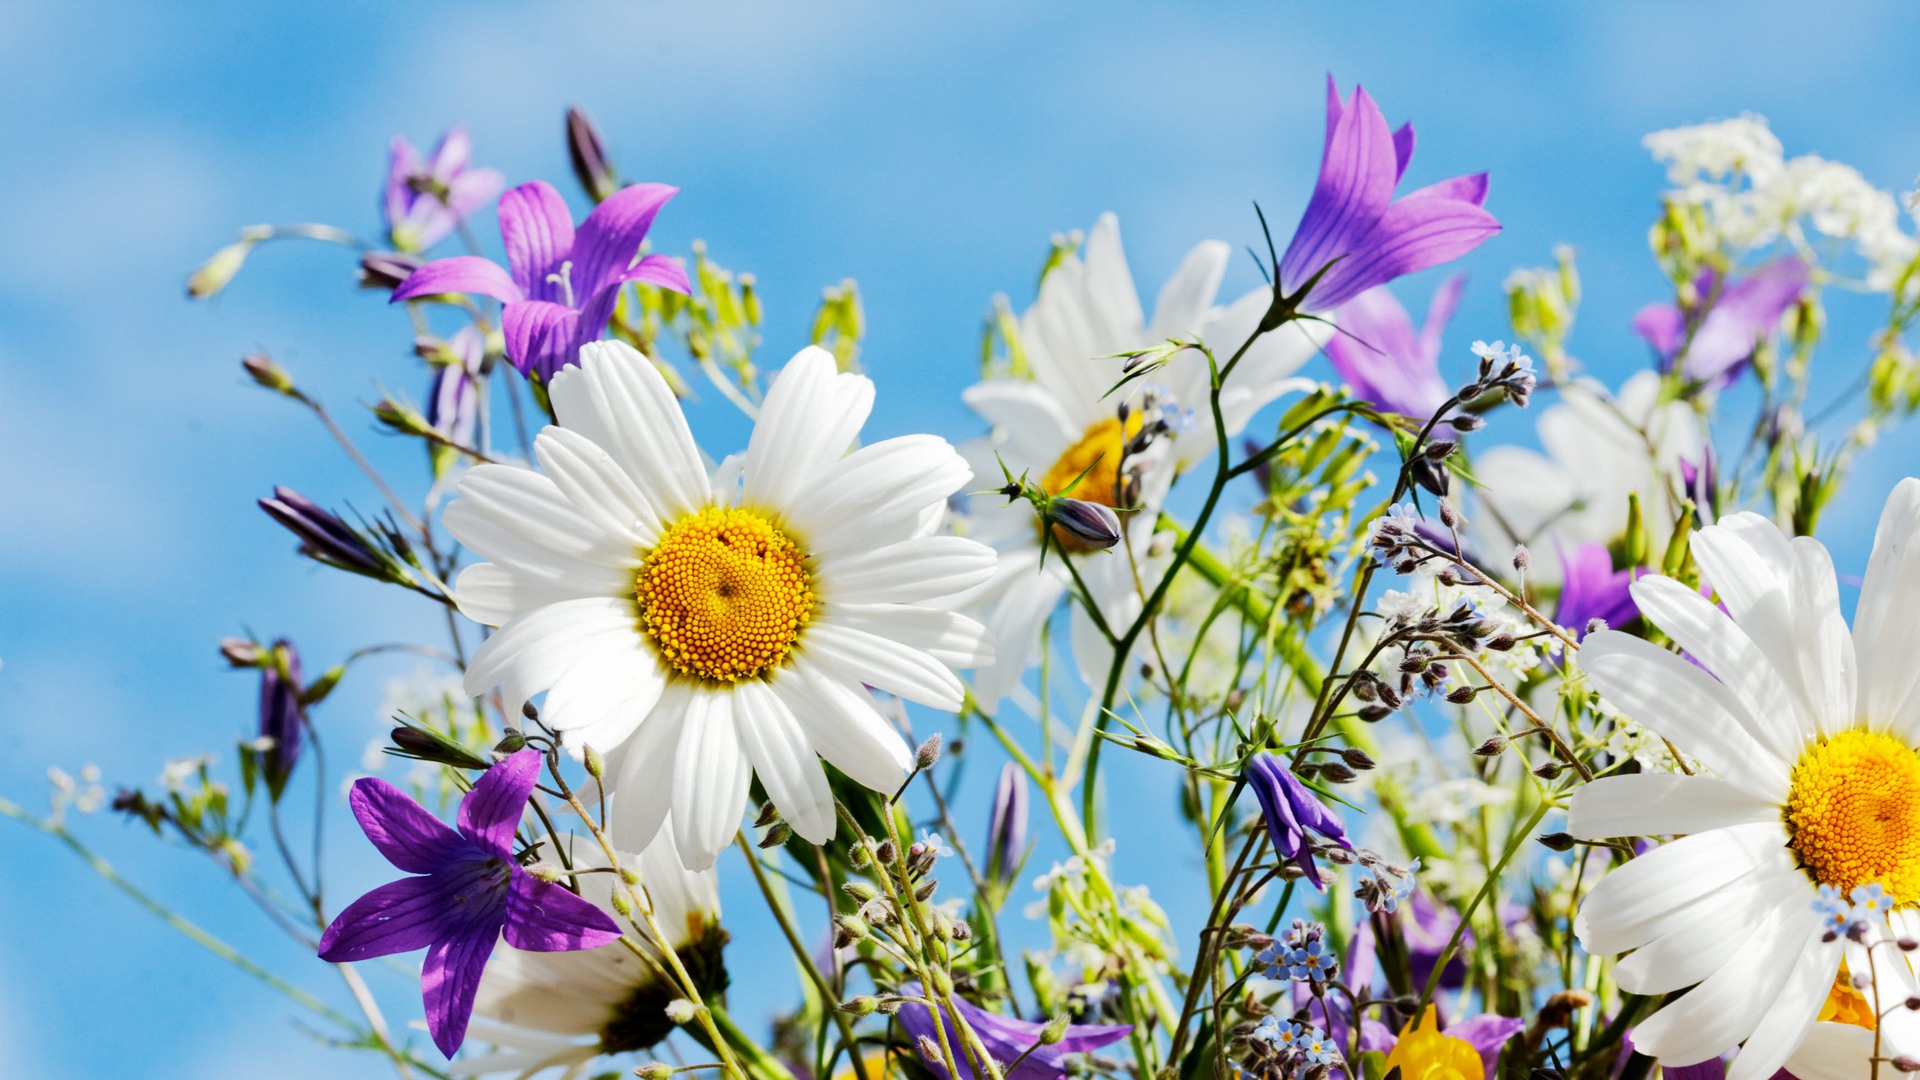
{"x":1548,"y":771}
{"x":241,"y":652}
{"x":1906,"y":1064}
{"x":1338,"y":773}
{"x":596,"y":765}
{"x":511,"y":743}
{"x":1055,"y":1030}
{"x":654,"y":1070}
{"x":929,"y":1050}
{"x":1356,"y":758}
{"x":386,"y":270}
{"x":928,"y":753}
{"x":218,"y":271}
{"x":1435,"y":478}
{"x":1092,"y":524}
{"x":545,"y":871}
{"x":1522,"y":558}
{"x":621,"y":905}
{"x":1493,"y":747}
{"x":779,"y":834}
{"x":1557,"y":841}
{"x":263,"y":370}
{"x":860,"y":891}
{"x":862,"y":1005}
{"x":1501,"y":642}
{"x":1467,"y":422}
{"x":1461,"y":695}
{"x":885,"y":852}
{"x":849,"y":929}
{"x":769,"y":814}
{"x":589,"y":156}
{"x":681,"y":1011}
{"x":926,"y":889}
{"x":1375,"y":713}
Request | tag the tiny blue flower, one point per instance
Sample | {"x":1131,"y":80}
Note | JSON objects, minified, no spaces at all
{"x":1495,"y":352}
{"x":1870,"y":900}
{"x":1833,"y":910}
{"x":1311,"y":962}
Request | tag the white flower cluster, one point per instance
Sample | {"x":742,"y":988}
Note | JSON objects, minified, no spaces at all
{"x":1754,"y":195}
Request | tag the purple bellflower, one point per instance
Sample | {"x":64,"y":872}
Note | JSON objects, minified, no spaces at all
{"x":1355,"y":231}
{"x":1378,"y":353}
{"x":1007,"y":828}
{"x":562,"y":285}
{"x":427,"y":198}
{"x":1725,"y":334}
{"x":1592,"y":589}
{"x":1005,"y":1038}
{"x":282,"y":717}
{"x":1291,"y":811}
{"x":453,"y":405}
{"x":470,"y":892}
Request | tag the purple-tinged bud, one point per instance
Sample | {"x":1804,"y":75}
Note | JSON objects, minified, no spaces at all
{"x":928,"y":754}
{"x":1906,"y":1064}
{"x":323,"y":536}
{"x":1466,"y":422}
{"x":1493,"y":747}
{"x":1356,"y":758}
{"x":1090,"y":523}
{"x":282,"y":719}
{"x":1429,"y":475}
{"x":420,"y":744}
{"x":453,"y":405}
{"x":242,"y":652}
{"x":387,"y":269}
{"x":1522,"y":558}
{"x":262,"y":369}
{"x":1007,"y":827}
{"x":1291,"y":811}
{"x":589,"y":156}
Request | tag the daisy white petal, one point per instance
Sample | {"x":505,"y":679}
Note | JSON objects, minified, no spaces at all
{"x":1726,"y":1008}
{"x":623,"y":404}
{"x":1661,"y":804}
{"x":783,"y":759}
{"x":710,"y":777}
{"x":811,"y":416}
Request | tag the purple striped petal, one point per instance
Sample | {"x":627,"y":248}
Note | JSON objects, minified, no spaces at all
{"x":460,"y":274}
{"x":542,"y":338}
{"x":1375,"y":350}
{"x":1471,"y":189}
{"x":398,"y":917}
{"x":1354,"y":189}
{"x":412,"y":839}
{"x":402,"y":162}
{"x":1402,"y":150}
{"x":543,"y":917}
{"x":449,"y":979}
{"x":662,"y":270}
{"x":610,"y":238}
{"x":1412,"y":235}
{"x":472,"y":190}
{"x":538,"y":230}
{"x":1007,"y":1038}
{"x":490,"y":812}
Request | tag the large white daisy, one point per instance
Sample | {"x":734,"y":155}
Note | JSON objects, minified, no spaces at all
{"x":1599,"y":448}
{"x":1061,"y":423}
{"x":561,"y":1010}
{"x":1809,"y":732}
{"x":703,"y":629}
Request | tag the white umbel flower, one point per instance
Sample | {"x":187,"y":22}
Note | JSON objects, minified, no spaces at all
{"x":1062,"y":422}
{"x":562,"y":1010}
{"x":701,"y":630}
{"x":1600,"y":448}
{"x":1809,"y":731}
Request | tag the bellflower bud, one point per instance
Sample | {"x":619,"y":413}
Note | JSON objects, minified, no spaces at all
{"x":589,"y":156}
{"x":928,"y":753}
{"x":262,"y":369}
{"x":282,"y":719}
{"x":323,"y":536}
{"x":1007,"y":828}
{"x":385,"y":270}
{"x":1090,"y":523}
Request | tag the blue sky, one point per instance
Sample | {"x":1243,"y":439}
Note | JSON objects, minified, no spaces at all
{"x":927,"y":150}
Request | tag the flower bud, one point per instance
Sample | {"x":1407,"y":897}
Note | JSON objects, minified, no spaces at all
{"x":926,"y":889}
{"x":654,"y":1070}
{"x":262,"y":369}
{"x":323,"y":536}
{"x":681,"y":1011}
{"x":1493,"y":747}
{"x":241,"y":652}
{"x":1055,"y":1030}
{"x":1090,"y":523}
{"x":779,"y":834}
{"x":385,"y":270}
{"x":623,"y":907}
{"x":1007,"y":828}
{"x":420,"y":744}
{"x":215,"y":274}
{"x":928,"y":753}
{"x":596,"y":765}
{"x":1522,"y":558}
{"x":1356,"y":758}
{"x":860,"y":891}
{"x":545,"y":871}
{"x":862,"y":1005}
{"x":1557,"y":841}
{"x":1337,"y":773}
{"x":885,"y":852}
{"x":589,"y":156}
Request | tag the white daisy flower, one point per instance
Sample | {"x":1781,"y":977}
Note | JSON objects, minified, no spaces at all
{"x":561,"y":1010}
{"x":1061,"y":424}
{"x":701,"y":630}
{"x":1811,"y":733}
{"x":1600,"y":448}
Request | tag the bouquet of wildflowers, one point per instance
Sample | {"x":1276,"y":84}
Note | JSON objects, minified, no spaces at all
{"x":1490,"y":760}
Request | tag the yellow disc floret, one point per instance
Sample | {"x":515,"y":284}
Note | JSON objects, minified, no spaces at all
{"x":724,"y":594}
{"x":1095,"y":462}
{"x":1854,"y":813}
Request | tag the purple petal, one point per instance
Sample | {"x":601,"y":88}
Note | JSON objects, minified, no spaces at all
{"x":543,"y":917}
{"x":402,"y":162}
{"x":662,"y":270}
{"x":610,"y":238}
{"x":1471,"y":189}
{"x":460,"y":274}
{"x":1412,"y":235}
{"x":397,"y":917}
{"x":1745,"y":313}
{"x":1006,"y":1038}
{"x":412,"y":839}
{"x":1354,"y":189}
{"x":452,"y":153}
{"x":449,"y":980}
{"x":1440,"y":309}
{"x":472,"y":190}
{"x":1335,"y":108}
{"x":542,"y":338}
{"x":1592,"y":589}
{"x":1487,"y":1033}
{"x":1662,"y":326}
{"x":1402,"y":150}
{"x":1374,"y":349}
{"x":490,"y":812}
{"x":538,"y":230}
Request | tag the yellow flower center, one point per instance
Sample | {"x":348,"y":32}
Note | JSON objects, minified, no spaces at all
{"x":1845,"y":1005}
{"x":1854,"y":813}
{"x":1095,"y":462}
{"x":724,"y":594}
{"x":1423,"y":1053}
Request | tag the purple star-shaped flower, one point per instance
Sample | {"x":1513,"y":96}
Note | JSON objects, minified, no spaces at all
{"x":1592,"y":589}
{"x":1006,"y":1038}
{"x":470,"y":891}
{"x":1356,"y":231}
{"x":562,"y":286}
{"x":1726,"y":329}
{"x":1378,"y":353}
{"x":427,"y":198}
{"x":1291,"y":811}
